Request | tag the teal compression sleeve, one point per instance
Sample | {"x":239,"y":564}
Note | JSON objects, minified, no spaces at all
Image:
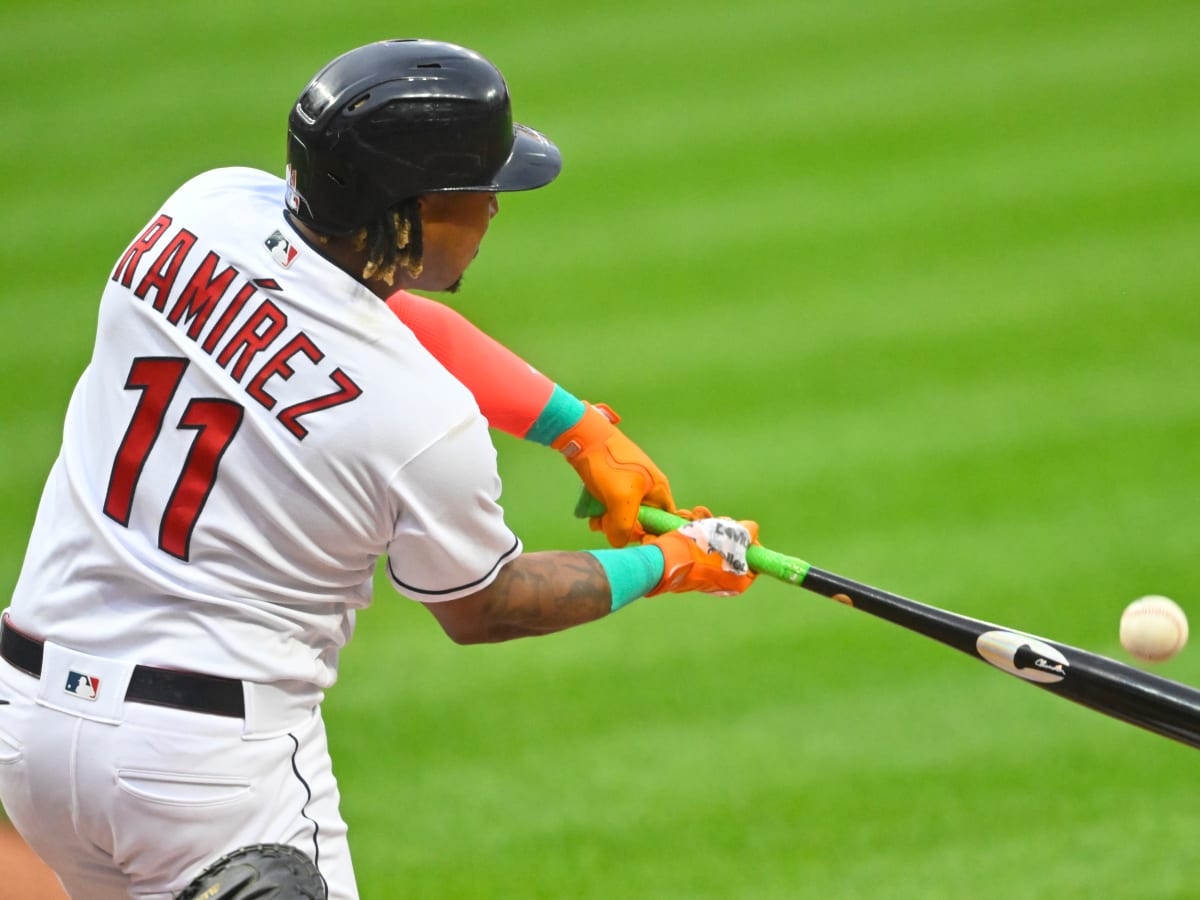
{"x":632,"y":572}
{"x":561,"y":411}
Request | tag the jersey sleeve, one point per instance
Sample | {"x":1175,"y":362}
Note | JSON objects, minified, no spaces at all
{"x":450,"y":538}
{"x":510,"y":393}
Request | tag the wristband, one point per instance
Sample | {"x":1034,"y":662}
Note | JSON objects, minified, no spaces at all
{"x":632,"y":572}
{"x":561,"y":411}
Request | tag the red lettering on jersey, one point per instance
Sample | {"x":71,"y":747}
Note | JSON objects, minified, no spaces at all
{"x":138,"y":248}
{"x":201,"y":294}
{"x":215,"y":422}
{"x":347,"y":391}
{"x":157,"y":377}
{"x":280,"y":365}
{"x":161,"y":276}
{"x":235,"y":307}
{"x":248,"y":342}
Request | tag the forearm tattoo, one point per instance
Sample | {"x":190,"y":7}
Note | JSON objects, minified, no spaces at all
{"x":548,"y":591}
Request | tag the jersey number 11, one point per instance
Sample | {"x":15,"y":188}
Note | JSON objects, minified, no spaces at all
{"x":215,"y":422}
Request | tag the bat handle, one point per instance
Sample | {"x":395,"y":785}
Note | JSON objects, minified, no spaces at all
{"x":762,"y":560}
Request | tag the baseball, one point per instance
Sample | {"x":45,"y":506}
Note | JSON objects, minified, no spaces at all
{"x":1153,"y":628}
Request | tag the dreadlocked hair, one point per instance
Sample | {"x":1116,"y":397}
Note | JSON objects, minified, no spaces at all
{"x":391,"y":239}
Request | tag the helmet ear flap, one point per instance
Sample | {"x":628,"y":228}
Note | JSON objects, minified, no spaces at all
{"x":396,"y":119}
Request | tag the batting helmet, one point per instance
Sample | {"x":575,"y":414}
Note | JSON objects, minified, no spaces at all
{"x":395,"y":119}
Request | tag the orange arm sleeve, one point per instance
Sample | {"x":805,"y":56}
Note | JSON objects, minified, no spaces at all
{"x":510,"y":393}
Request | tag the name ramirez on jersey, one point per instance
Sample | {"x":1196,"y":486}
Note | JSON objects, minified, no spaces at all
{"x":203,"y":295}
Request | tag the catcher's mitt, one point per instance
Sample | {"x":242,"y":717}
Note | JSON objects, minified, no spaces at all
{"x":259,"y":872}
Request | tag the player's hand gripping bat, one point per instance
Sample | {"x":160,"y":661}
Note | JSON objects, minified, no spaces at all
{"x":1148,"y":701}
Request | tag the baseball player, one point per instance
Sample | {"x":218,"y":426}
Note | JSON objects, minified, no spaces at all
{"x":256,"y":428}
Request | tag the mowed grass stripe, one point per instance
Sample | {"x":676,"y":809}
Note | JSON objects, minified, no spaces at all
{"x":703,"y":197}
{"x":824,"y":338}
{"x":871,"y":82}
{"x":945,"y":210}
{"x":722,"y":817}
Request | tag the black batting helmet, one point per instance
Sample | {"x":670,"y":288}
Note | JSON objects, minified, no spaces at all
{"x":395,"y":119}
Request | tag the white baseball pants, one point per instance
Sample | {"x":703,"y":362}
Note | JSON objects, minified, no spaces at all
{"x":125,"y":799}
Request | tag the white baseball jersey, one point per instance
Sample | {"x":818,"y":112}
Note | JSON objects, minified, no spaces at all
{"x":254,"y":430}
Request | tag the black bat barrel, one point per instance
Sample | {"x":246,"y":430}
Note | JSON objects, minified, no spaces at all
{"x":1148,"y":701}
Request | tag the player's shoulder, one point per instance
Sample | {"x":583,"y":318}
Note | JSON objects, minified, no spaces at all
{"x":249,"y":184}
{"x":232,"y":177}
{"x":234,"y":202}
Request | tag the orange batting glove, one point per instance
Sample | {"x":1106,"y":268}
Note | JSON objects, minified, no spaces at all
{"x":707,"y":555}
{"x":615,"y":471}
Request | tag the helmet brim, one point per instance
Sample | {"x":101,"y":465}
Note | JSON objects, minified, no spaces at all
{"x":534,"y":162}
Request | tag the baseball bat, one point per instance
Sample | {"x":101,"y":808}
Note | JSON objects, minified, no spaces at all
{"x":1123,"y":692}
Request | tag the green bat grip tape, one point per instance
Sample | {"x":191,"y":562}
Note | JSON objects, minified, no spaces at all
{"x":657,"y":521}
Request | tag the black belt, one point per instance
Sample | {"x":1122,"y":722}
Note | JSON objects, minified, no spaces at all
{"x":161,"y":687}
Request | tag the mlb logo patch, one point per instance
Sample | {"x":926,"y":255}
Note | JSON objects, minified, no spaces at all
{"x":281,"y":249}
{"x":81,"y":685}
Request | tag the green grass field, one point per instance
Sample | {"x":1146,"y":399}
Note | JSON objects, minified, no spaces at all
{"x":912,"y":284}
